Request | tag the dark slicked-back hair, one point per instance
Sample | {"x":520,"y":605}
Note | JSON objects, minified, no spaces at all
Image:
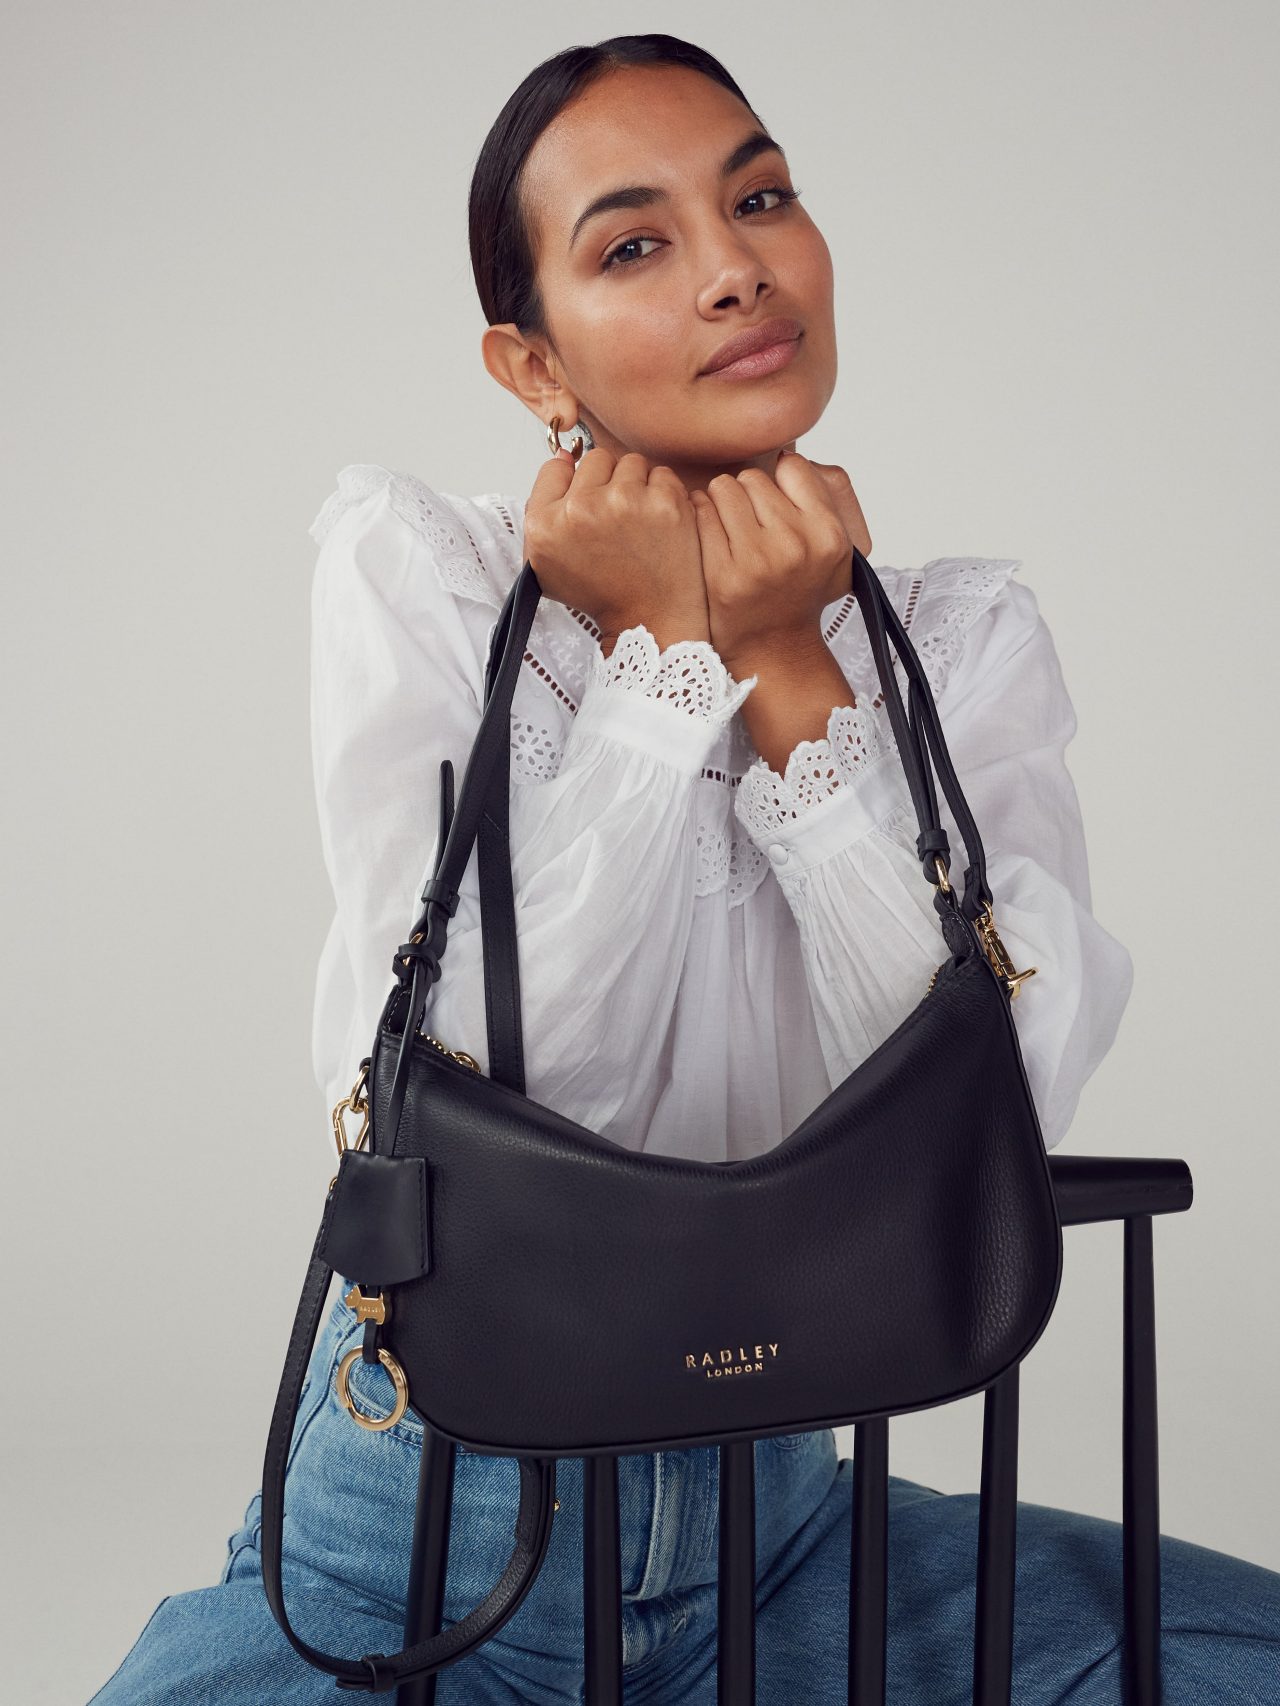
{"x":502,"y":256}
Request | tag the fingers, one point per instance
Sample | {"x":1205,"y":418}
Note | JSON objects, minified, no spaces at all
{"x":713,"y":543}
{"x":710,"y":527}
{"x":553,"y":480}
{"x":736,"y":507}
{"x":661,"y":475}
{"x":840,"y":491}
{"x":803,"y":483}
{"x":596,"y":467}
{"x":631,"y":469}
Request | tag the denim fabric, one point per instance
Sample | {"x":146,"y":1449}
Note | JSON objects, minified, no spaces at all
{"x":350,"y":1506}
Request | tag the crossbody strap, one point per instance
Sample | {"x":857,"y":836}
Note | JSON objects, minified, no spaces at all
{"x":376,"y":1673}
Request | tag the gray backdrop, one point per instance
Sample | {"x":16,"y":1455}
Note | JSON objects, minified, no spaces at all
{"x":237,"y":261}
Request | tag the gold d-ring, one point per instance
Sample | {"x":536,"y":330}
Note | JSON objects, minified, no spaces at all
{"x":375,"y":1424}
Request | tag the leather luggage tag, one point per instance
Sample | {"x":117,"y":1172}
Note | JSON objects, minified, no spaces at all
{"x":377,"y":1232}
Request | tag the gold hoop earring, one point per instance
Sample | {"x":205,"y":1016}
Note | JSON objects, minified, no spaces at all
{"x":553,"y":439}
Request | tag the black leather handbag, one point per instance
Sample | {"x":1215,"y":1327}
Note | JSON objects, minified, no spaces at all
{"x":538,"y":1291}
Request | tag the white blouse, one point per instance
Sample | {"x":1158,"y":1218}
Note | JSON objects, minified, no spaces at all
{"x":706,"y":947}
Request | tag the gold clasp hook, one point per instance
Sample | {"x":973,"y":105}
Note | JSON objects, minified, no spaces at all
{"x":354,"y":1102}
{"x":988,"y":935}
{"x":998,"y":954}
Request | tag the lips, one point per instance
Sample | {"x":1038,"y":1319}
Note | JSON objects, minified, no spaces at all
{"x":777,"y":330}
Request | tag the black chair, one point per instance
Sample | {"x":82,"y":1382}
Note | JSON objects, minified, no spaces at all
{"x":1089,"y":1188}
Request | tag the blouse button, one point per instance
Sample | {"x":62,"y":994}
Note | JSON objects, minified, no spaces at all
{"x":778,"y":853}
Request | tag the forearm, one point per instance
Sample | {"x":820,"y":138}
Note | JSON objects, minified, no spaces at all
{"x":800,"y":683}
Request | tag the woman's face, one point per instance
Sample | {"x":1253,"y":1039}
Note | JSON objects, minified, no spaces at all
{"x":639,"y":299}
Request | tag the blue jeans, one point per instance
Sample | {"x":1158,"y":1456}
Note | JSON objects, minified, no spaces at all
{"x":350,"y":1507}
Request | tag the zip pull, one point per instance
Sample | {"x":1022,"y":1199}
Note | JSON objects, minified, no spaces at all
{"x":454,"y":1054}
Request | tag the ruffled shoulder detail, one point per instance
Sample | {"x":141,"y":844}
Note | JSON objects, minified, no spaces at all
{"x":955,"y":591}
{"x":454,"y":528}
{"x":937,"y":603}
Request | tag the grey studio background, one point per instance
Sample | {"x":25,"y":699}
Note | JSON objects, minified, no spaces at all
{"x":237,"y":261}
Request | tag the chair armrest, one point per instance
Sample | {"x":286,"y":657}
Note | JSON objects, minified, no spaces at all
{"x":1108,"y":1187}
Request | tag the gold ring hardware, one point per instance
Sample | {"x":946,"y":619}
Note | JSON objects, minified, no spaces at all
{"x":944,"y":882}
{"x":374,"y":1424}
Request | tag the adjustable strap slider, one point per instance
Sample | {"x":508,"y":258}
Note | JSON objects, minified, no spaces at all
{"x":441,"y":892}
{"x":380,"y":1680}
{"x":929,"y":842}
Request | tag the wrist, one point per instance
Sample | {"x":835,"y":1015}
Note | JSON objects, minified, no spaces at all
{"x":785,"y":659}
{"x":796,"y":691}
{"x":666,"y":629}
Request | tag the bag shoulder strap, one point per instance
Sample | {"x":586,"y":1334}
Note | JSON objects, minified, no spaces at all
{"x":482,"y":813}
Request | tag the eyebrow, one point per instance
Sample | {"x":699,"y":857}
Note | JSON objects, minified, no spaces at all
{"x":644,"y":195}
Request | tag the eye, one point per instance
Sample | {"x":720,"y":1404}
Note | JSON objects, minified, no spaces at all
{"x":609,"y":263}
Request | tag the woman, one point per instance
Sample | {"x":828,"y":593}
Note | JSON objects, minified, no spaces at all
{"x":721,"y":909}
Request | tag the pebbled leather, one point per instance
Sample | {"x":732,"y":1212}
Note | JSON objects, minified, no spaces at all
{"x":574,"y":1279}
{"x":377,"y":1225}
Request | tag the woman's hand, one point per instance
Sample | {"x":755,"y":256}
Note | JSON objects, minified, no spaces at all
{"x":775,"y":553}
{"x":619,"y":539}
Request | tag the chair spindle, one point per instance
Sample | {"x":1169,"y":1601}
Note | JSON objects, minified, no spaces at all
{"x":601,"y":1582}
{"x":736,"y":1595}
{"x":869,"y":1563}
{"x":997,"y":1545}
{"x":1141,"y":1470}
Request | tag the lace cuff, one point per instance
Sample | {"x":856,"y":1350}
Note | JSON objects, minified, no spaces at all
{"x":688,"y":673}
{"x":670,"y":702}
{"x":832,"y":790}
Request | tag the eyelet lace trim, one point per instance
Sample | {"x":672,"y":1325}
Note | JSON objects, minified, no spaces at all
{"x":855,"y":740}
{"x":937,"y":605}
{"x":727,"y":861}
{"x":956,"y":589}
{"x":687,"y":673}
{"x":455,"y":553}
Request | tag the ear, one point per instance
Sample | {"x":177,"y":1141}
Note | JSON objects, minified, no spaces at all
{"x":521,"y":367}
